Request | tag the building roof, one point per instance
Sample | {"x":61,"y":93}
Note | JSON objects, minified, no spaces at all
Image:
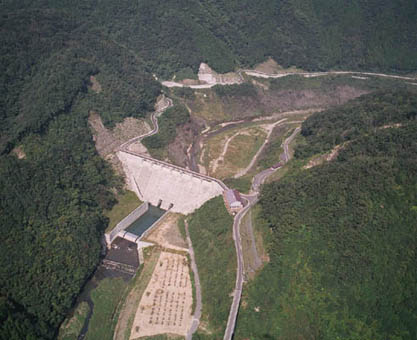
{"x":232,"y":196}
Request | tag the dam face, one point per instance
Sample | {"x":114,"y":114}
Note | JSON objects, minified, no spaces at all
{"x":167,"y":186}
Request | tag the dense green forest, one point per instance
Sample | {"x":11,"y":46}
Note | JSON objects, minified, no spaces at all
{"x":172,"y":118}
{"x":51,"y":222}
{"x":52,"y":199}
{"x":343,"y":235}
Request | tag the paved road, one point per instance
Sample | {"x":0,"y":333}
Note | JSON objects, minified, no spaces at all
{"x":260,"y":178}
{"x":231,"y":322}
{"x":251,"y":200}
{"x":317,"y":74}
{"x":154,"y":118}
{"x":260,"y":74}
{"x":287,"y":142}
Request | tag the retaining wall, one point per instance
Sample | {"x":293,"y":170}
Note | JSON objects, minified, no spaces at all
{"x":127,"y":221}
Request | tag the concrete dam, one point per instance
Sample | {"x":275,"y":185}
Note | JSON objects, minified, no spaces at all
{"x":168,"y":186}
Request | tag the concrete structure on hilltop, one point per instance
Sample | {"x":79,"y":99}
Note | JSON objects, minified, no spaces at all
{"x":167,"y":186}
{"x":206,"y":74}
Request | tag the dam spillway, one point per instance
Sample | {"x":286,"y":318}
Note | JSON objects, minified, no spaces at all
{"x":145,"y":221}
{"x":167,"y":186}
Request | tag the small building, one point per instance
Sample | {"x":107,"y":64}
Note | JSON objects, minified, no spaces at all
{"x":232,"y":200}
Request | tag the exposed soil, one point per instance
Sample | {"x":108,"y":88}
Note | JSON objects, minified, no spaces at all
{"x":327,"y":157}
{"x":167,"y":234}
{"x":186,"y":135}
{"x":166,"y":305}
{"x":216,"y":110}
{"x":18,"y":151}
{"x":304,"y":99}
{"x":95,"y":85}
{"x":128,"y":311}
{"x":268,"y":66}
{"x":209,"y":76}
{"x":107,"y":141}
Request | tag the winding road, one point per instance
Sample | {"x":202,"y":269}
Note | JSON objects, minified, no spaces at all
{"x":154,"y":118}
{"x":251,"y":200}
{"x":260,"y":74}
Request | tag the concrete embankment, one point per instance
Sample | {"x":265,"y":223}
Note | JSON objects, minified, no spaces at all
{"x":126,"y":222}
{"x":168,"y":186}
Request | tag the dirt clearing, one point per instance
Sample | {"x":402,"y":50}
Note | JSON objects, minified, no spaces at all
{"x":18,"y":151}
{"x":95,"y":85}
{"x":167,"y":234}
{"x":166,"y":305}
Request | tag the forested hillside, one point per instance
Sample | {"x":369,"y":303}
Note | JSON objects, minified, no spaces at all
{"x":53,"y":185}
{"x":344,"y":234}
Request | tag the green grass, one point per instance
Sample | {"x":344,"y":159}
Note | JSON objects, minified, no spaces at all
{"x":106,"y":298}
{"x":243,"y":148}
{"x":186,"y":73}
{"x":192,"y":278}
{"x":127,"y":202}
{"x":241,"y":184}
{"x":71,"y":328}
{"x":273,"y":150}
{"x":181,"y":227}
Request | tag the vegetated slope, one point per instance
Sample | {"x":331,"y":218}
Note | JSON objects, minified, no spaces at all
{"x":344,"y":239}
{"x":326,"y":129}
{"x":47,"y":57}
{"x":168,"y":123}
{"x":211,"y":234}
{"x":52,"y":201}
{"x":51,"y":223}
{"x":268,"y":96}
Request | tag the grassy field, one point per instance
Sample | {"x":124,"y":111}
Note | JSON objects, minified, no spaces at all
{"x":242,"y":146}
{"x":71,"y":328}
{"x":127,"y":202}
{"x":241,"y":184}
{"x":208,"y":106}
{"x":249,"y":255}
{"x":181,"y":228}
{"x":261,"y":236}
{"x":262,"y":233}
{"x":211,"y":233}
{"x":106,"y":298}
